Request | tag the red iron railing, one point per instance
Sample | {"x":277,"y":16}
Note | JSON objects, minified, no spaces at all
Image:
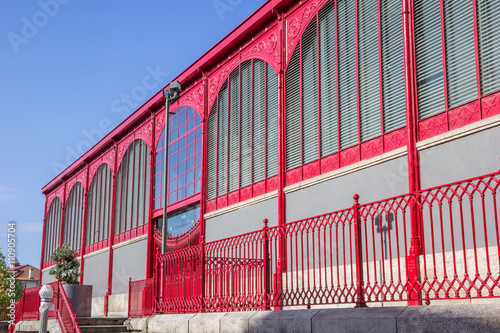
{"x":28,"y":308}
{"x":438,"y":243}
{"x":141,"y":297}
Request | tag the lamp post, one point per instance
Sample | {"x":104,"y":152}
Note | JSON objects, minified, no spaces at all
{"x":171,"y":95}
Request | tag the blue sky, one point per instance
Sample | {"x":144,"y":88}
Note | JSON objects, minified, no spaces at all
{"x":65,"y":68}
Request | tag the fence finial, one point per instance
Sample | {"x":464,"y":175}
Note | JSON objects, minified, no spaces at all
{"x":356,"y":198}
{"x":265,"y":222}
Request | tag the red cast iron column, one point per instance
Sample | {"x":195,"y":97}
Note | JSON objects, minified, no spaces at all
{"x":203,"y":198}
{"x":84,"y":224}
{"x":111,"y":234}
{"x":413,"y":264}
{"x":358,"y":243}
{"x":150,"y":240}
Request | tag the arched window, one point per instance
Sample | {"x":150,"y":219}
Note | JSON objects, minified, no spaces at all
{"x":132,"y":188}
{"x":243,"y":130}
{"x":52,"y":228}
{"x":336,"y":86}
{"x":73,"y":217}
{"x":99,"y":205}
{"x":184,"y":154}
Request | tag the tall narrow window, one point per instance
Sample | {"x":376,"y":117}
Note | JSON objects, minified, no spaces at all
{"x":99,"y":205}
{"x":243,"y":130}
{"x":429,"y":58}
{"x":393,"y":81}
{"x":488,"y":12}
{"x":347,"y":74}
{"x":328,"y":79}
{"x":52,"y":228}
{"x":368,"y":62}
{"x":73,"y":217}
{"x":132,"y":188}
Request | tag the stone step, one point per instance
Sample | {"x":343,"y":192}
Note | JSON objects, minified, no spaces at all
{"x":102,"y":329}
{"x":88,"y":321}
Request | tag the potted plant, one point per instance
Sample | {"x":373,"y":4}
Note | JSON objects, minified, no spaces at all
{"x":67,"y":270}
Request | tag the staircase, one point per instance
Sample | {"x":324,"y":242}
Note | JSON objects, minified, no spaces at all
{"x":101,"y":325}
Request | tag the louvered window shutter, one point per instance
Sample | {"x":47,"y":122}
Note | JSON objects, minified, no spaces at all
{"x":309,"y":94}
{"x":460,"y":54}
{"x":293,"y":125}
{"x":347,"y":74}
{"x":488,"y":13}
{"x":212,"y":153}
{"x":258,"y":122}
{"x":392,"y":65}
{"x":234,"y":127}
{"x":328,"y":79}
{"x":368,"y":68}
{"x":429,"y":57}
{"x":271,"y":121}
{"x":246,"y":129}
{"x":222,"y":142}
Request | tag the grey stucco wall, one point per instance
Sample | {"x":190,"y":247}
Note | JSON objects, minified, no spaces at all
{"x":47,"y":278}
{"x":374,"y":183}
{"x":242,"y":220}
{"x":470,"y":156}
{"x":129,"y":261}
{"x":96,"y":273}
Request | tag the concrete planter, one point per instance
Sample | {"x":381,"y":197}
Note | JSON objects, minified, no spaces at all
{"x":80,"y":299}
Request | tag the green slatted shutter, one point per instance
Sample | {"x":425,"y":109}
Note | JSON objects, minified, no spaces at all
{"x":222,"y":142}
{"x":293,"y":125}
{"x":368,"y":68}
{"x":246,"y":129}
{"x":309,"y":94}
{"x":328,"y":79}
{"x":212,"y":153}
{"x":271,"y":121}
{"x":488,"y":13}
{"x":460,"y":53}
{"x":347,"y":74}
{"x":258,"y":122}
{"x":234,"y":125}
{"x":393,"y":79}
{"x":429,"y":58}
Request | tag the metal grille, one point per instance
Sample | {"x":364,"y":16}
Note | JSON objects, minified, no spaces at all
{"x":222,"y":142}
{"x":99,"y":205}
{"x":293,"y":119}
{"x":132,"y":196}
{"x":246,"y":125}
{"x":368,"y":67}
{"x":328,"y":79}
{"x":460,"y":56}
{"x":428,"y":51}
{"x":259,"y":122}
{"x":53,"y":228}
{"x":212,"y":153}
{"x":347,"y":73}
{"x":234,"y":128}
{"x":271,"y":121}
{"x":393,"y":81}
{"x":488,"y":13}
{"x":73,"y":217}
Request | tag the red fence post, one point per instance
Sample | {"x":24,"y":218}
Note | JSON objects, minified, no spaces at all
{"x":265,"y":254}
{"x":413,"y":260}
{"x":360,"y":301}
{"x":202,"y":272}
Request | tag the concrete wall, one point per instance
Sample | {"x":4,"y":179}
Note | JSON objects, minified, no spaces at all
{"x":96,"y":273}
{"x":374,"y":183}
{"x":242,"y":220}
{"x":470,"y":156}
{"x":129,"y":261}
{"x":46,"y":277}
